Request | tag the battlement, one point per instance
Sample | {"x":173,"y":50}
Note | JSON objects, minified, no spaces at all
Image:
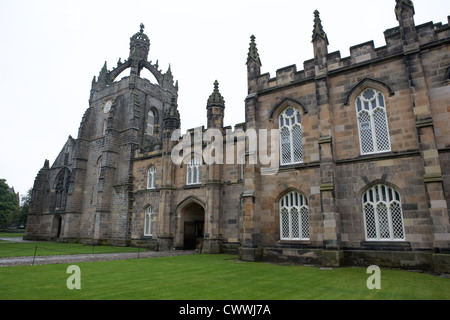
{"x":428,"y":35}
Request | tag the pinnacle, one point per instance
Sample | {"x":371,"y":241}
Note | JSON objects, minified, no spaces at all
{"x":253,"y":51}
{"x":216,"y":98}
{"x":318,"y":29}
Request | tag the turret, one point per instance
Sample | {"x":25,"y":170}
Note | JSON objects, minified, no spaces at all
{"x":171,"y":118}
{"x":215,"y":108}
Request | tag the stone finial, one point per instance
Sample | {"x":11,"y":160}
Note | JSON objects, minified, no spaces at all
{"x":142,"y":28}
{"x":318,"y":29}
{"x":253,"y":51}
{"x":216,"y":99}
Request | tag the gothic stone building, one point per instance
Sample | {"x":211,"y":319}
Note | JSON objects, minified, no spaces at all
{"x":364,"y":159}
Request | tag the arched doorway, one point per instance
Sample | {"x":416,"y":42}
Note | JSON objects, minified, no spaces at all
{"x":57,"y":226}
{"x":192,"y":226}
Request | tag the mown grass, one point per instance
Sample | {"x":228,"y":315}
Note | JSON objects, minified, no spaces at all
{"x":13,"y":249}
{"x":4,"y":234}
{"x":213,"y":277}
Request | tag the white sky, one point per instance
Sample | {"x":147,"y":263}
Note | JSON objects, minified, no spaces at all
{"x":51,"y":49}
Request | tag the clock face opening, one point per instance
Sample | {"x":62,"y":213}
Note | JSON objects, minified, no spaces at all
{"x":107,"y":106}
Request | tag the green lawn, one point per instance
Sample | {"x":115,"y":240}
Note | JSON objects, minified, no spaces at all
{"x":13,"y":249}
{"x":4,"y":234}
{"x":213,"y":277}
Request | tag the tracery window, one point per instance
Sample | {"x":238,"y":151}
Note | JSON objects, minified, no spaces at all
{"x":383,"y":218}
{"x":194,"y":172}
{"x":62,"y":189}
{"x":372,"y":122}
{"x":151,"y":177}
{"x":294,"y":220}
{"x":291,"y":145}
{"x":148,"y":221}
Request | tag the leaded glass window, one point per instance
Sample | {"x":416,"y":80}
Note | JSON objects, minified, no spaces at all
{"x":383,"y":219}
{"x":372,"y":122}
{"x":291,"y":144}
{"x":294,"y":220}
{"x":194,"y":172}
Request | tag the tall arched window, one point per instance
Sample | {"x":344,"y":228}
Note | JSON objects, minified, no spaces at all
{"x":194,"y":172}
{"x":372,"y":122}
{"x":383,"y":219}
{"x":294,"y":221}
{"x":148,"y":221}
{"x":62,"y":189}
{"x":150,"y":122}
{"x":99,"y":167}
{"x":151,"y":177}
{"x":291,"y":145}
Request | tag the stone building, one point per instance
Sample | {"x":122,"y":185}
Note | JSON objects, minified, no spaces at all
{"x":363,"y":159}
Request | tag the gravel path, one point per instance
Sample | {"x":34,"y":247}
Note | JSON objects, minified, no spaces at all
{"x":54,"y":259}
{"x":40,"y":260}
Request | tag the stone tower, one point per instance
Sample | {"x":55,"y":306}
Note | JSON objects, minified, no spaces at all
{"x":87,"y":193}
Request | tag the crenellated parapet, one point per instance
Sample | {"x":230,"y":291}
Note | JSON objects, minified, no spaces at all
{"x":428,"y":35}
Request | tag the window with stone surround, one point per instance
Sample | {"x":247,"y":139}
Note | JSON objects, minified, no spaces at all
{"x":291,"y":144}
{"x":382,"y":210}
{"x":63,"y":180}
{"x":372,"y":122}
{"x":151,"y":177}
{"x":148,"y":221}
{"x":150,"y":122}
{"x":194,"y":172}
{"x":294,"y":220}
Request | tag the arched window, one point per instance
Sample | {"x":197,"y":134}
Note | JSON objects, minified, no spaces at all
{"x":194,"y":172}
{"x":148,"y":221}
{"x":294,"y":221}
{"x":372,"y":122}
{"x":291,"y":145}
{"x":383,"y":218}
{"x":62,"y":189}
{"x":150,"y":122}
{"x":242,"y":171}
{"x":99,"y":167}
{"x":151,"y":177}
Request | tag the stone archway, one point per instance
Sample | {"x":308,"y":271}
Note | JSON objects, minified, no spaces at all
{"x":57,"y":226}
{"x":192,"y":226}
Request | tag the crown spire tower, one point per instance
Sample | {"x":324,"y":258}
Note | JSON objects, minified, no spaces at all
{"x":139,"y":48}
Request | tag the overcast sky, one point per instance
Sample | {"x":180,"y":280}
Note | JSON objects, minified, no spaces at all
{"x":51,"y":50}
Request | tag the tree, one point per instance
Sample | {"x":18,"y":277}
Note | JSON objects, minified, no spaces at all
{"x":24,"y":207}
{"x":9,"y":204}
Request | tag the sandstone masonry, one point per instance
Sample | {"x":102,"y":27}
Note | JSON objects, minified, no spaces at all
{"x":364,"y":152}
